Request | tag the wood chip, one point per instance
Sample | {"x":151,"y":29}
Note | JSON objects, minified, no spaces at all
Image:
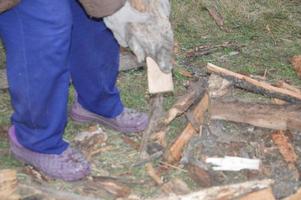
{"x":285,"y":147}
{"x":8,"y":185}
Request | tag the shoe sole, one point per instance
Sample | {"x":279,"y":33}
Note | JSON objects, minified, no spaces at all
{"x":83,"y":119}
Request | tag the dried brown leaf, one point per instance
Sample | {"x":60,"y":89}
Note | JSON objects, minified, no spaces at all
{"x":285,"y":147}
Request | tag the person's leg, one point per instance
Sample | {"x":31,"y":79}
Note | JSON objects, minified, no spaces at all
{"x":94,"y":64}
{"x":94,"y":71}
{"x":36,"y":36}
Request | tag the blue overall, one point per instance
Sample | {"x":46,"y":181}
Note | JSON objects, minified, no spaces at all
{"x":46,"y":42}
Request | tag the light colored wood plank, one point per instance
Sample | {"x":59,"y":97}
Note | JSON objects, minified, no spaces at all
{"x":158,"y":81}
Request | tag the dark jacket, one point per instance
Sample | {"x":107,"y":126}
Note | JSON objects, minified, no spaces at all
{"x":94,"y":8}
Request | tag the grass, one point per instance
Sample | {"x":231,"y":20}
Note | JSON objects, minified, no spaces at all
{"x":268,"y":30}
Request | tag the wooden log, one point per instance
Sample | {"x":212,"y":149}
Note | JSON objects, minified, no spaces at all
{"x":256,"y":86}
{"x":174,"y":153}
{"x":184,"y":102}
{"x":266,"y":194}
{"x":8,"y":185}
{"x":227,"y":192}
{"x":278,"y":117}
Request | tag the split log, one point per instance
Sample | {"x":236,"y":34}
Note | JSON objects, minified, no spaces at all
{"x":174,"y":153}
{"x":256,"y":86}
{"x":278,"y":117}
{"x":184,"y":102}
{"x":8,"y":185}
{"x":227,"y":192}
{"x":266,"y":194}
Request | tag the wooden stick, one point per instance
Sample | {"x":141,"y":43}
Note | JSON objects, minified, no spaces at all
{"x":256,"y":86}
{"x":185,"y":101}
{"x":174,"y":153}
{"x":227,"y":192}
{"x":156,"y":107}
{"x":278,"y":117}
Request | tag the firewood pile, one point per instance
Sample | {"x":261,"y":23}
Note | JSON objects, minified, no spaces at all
{"x":202,"y":103}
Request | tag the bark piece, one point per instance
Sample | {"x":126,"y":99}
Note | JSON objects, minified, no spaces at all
{"x":175,"y":151}
{"x":176,"y":186}
{"x":158,"y":81}
{"x":253,"y":85}
{"x":227,"y":192}
{"x":219,"y":20}
{"x":184,"y":102}
{"x":266,"y":194}
{"x":296,"y":62}
{"x":152,"y":173}
{"x":8,"y":184}
{"x":278,"y":117}
{"x":199,"y":175}
{"x":115,"y":188}
{"x":285,"y":147}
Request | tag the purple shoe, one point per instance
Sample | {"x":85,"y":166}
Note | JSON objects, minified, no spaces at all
{"x":69,"y":166}
{"x":128,"y":121}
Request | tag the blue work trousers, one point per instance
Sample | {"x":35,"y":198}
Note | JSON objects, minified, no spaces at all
{"x":47,"y":42}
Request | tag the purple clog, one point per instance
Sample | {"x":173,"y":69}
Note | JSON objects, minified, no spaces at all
{"x":128,"y":121}
{"x":69,"y":166}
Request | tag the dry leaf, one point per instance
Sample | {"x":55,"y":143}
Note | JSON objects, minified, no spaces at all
{"x":296,"y":62}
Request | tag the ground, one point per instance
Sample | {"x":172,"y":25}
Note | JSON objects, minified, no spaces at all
{"x":266,"y":35}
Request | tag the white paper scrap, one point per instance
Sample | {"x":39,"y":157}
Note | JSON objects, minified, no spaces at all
{"x":233,"y":163}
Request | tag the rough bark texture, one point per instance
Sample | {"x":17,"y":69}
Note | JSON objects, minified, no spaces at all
{"x":278,"y":117}
{"x":256,"y":86}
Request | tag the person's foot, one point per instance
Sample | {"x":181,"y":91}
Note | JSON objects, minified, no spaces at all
{"x":69,"y":166}
{"x":129,"y":121}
